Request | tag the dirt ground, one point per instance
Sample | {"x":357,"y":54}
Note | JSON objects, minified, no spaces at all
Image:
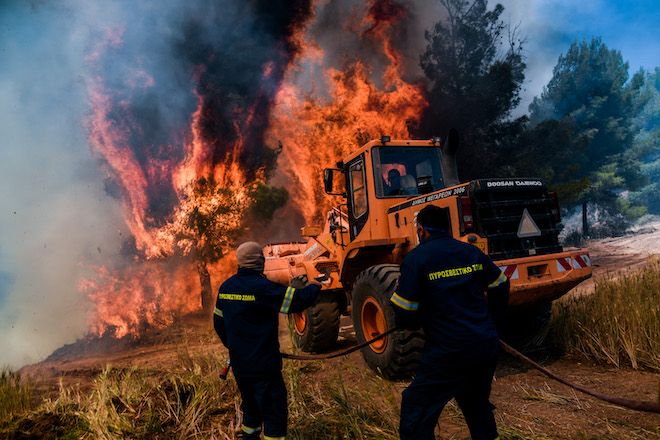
{"x":528,"y":404}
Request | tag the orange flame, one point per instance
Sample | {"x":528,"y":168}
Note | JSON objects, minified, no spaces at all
{"x":317,"y":132}
{"x":152,"y":291}
{"x":148,"y":294}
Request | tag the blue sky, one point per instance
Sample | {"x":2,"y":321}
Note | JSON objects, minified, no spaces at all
{"x":550,"y":26}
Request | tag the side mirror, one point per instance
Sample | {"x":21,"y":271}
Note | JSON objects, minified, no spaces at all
{"x":329,"y":181}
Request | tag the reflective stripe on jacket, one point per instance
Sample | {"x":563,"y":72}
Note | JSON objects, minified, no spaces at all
{"x":442,"y":288}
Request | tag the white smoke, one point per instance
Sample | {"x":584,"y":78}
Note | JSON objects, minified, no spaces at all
{"x":56,"y":219}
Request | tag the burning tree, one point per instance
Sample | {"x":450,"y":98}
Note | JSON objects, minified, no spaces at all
{"x":213,"y":217}
{"x":211,"y":222}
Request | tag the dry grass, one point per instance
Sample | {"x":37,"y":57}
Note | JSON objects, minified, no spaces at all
{"x":547,"y":395}
{"x":15,"y":395}
{"x":337,"y":410}
{"x":191,"y":403}
{"x":349,"y":403}
{"x":619,"y":324}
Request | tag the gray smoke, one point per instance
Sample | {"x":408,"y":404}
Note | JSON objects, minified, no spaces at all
{"x":61,"y":203}
{"x":56,"y":219}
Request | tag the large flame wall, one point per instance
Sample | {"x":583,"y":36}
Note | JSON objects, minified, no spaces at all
{"x":272,"y":81}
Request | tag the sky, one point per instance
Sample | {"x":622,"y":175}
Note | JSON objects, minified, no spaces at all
{"x":57,"y":219}
{"x":550,"y":26}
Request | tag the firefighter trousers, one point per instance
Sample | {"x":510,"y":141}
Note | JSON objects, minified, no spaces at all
{"x":263,"y":402}
{"x":424,"y":399}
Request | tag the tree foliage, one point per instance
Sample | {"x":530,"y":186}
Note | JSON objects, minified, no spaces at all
{"x":475,"y":81}
{"x":581,"y":129}
{"x":266,"y":200}
{"x":646,"y":145}
{"x":212,"y":221}
{"x":589,"y":91}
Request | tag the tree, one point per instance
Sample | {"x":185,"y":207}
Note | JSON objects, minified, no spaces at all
{"x":475,"y":82}
{"x":646,"y":145}
{"x":588,"y":90}
{"x":583,"y":119}
{"x":210,"y":223}
{"x":214,"y":217}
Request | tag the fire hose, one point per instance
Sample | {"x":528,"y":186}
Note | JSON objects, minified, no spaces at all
{"x":637,"y":405}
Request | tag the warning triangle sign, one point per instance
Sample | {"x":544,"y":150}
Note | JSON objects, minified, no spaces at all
{"x":527,"y":227}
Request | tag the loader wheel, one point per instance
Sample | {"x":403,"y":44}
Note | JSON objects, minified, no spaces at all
{"x":397,"y":355}
{"x":316,"y":329}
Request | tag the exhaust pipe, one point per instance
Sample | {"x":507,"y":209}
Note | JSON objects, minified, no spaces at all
{"x":449,"y":149}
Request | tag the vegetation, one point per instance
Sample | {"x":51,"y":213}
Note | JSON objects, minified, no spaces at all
{"x":646,"y":145}
{"x":136,"y":404}
{"x":619,"y":324}
{"x":339,"y":410}
{"x":475,"y":81}
{"x":195,"y":403}
{"x":266,"y":200}
{"x":584,"y":117}
{"x":15,"y":396}
{"x":592,"y":134}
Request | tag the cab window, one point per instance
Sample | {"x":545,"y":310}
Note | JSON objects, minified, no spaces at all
{"x":358,"y":189}
{"x":397,"y":170}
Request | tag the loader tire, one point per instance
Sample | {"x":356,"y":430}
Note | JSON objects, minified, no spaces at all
{"x":397,"y":355}
{"x":316,"y":329}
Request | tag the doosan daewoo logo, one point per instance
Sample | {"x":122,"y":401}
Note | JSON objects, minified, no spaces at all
{"x":509,"y":183}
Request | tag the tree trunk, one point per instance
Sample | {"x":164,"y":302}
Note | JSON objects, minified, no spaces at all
{"x":206,"y":292}
{"x":585,"y":223}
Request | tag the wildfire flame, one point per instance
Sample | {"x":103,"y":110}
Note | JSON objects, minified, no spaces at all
{"x":357,"y":110}
{"x":316,"y":130}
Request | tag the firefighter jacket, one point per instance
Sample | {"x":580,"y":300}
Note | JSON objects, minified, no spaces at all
{"x":246,"y":319}
{"x":442,"y":288}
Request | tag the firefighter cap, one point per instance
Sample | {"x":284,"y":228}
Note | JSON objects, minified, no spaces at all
{"x":250,"y":256}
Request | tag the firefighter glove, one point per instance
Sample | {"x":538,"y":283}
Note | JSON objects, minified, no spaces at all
{"x":299,"y":282}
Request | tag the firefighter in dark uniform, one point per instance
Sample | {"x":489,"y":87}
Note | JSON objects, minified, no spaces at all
{"x":442,"y":289}
{"x":246,"y":319}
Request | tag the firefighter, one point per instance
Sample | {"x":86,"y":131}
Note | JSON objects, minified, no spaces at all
{"x":442,"y":289}
{"x":246,"y":320}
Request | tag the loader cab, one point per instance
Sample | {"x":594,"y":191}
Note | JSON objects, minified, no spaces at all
{"x":401,"y":171}
{"x":382,"y":174}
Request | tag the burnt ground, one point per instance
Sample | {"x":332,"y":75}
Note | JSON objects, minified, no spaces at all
{"x":528,"y":404}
